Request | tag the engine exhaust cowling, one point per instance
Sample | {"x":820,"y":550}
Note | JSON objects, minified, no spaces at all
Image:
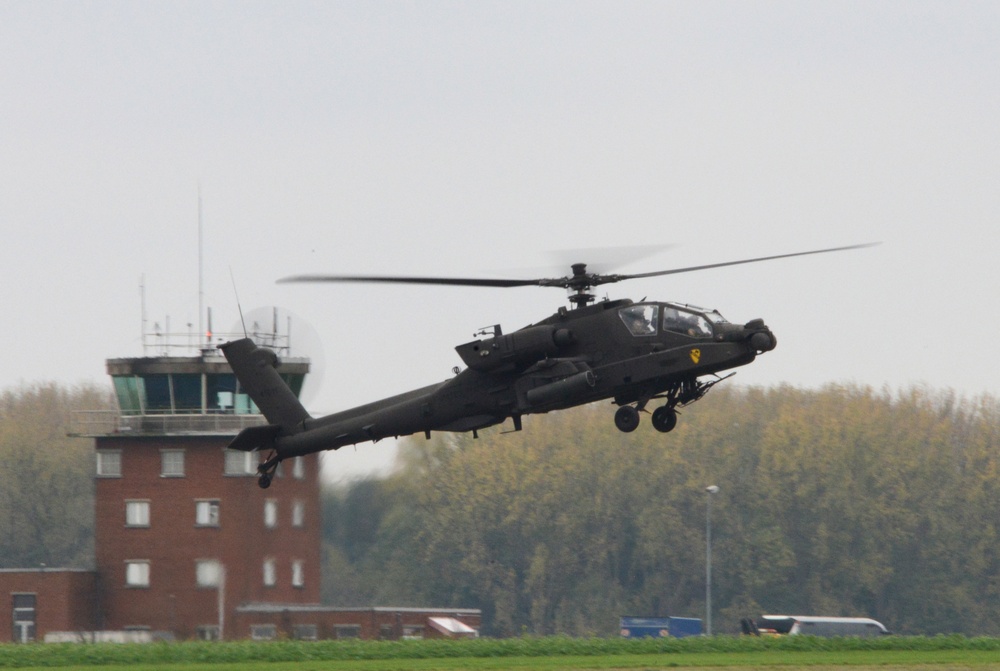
{"x":523,"y":347}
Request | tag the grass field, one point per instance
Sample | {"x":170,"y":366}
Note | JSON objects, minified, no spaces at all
{"x":554,"y":653}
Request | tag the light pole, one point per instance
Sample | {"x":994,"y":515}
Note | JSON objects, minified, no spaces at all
{"x":709,"y":491}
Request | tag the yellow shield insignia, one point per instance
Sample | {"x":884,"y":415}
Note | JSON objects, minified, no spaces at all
{"x":696,"y":355}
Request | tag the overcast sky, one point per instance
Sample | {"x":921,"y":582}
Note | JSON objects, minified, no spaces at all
{"x":475,"y":138}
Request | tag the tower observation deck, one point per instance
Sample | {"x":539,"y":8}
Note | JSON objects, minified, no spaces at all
{"x":197,"y":394}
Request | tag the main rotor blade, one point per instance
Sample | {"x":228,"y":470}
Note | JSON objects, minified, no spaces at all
{"x":579,"y":282}
{"x":389,"y":279}
{"x":618,"y":278}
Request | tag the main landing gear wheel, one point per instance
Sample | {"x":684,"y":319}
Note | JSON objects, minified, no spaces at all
{"x":664,"y":419}
{"x":264,"y":481}
{"x":627,"y":418}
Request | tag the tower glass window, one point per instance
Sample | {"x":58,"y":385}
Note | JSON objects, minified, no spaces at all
{"x":130,"y":392}
{"x":187,"y":392}
{"x":220,"y":392}
{"x":157,"y":393}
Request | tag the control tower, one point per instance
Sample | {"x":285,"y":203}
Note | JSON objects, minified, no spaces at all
{"x":183,"y":535}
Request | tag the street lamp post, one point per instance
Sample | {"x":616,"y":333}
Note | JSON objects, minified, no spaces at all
{"x":709,"y":491}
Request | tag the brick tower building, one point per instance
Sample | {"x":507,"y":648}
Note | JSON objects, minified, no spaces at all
{"x":182,"y":530}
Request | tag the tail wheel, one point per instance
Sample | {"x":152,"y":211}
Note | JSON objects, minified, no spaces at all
{"x":664,"y":419}
{"x":267,"y":470}
{"x":627,"y":419}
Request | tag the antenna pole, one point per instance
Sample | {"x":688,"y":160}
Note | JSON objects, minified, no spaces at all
{"x":238,"y":306}
{"x":142,"y":309}
{"x":201,"y":284}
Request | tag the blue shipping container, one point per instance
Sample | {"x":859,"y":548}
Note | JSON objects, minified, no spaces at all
{"x":658,"y":627}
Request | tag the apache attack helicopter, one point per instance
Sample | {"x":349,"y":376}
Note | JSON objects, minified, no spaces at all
{"x":632,"y":353}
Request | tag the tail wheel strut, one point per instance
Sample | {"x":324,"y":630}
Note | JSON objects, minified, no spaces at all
{"x":266,"y":470}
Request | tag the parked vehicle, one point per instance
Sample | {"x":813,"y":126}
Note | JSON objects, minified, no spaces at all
{"x":658,"y":627}
{"x":811,"y":625}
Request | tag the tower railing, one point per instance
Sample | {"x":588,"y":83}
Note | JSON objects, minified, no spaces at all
{"x":92,"y":423}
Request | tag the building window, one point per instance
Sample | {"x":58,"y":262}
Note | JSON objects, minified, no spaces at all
{"x":270,"y":513}
{"x":137,"y":513}
{"x":109,"y":463}
{"x":137,"y":573}
{"x":298,"y":514}
{"x":208,"y":632}
{"x":172,"y":463}
{"x":263,"y":632}
{"x":208,"y":572}
{"x":24,"y":617}
{"x":270,"y":573}
{"x":413,"y":632}
{"x":299,"y":468}
{"x":206,"y":513}
{"x":298,"y":573}
{"x":347,"y":630}
{"x":305,"y":632}
{"x":239,"y":463}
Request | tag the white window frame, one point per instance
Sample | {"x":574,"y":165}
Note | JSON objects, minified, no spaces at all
{"x":271,"y":513}
{"x":305,"y":632}
{"x":298,"y":573}
{"x":207,"y":573}
{"x":263,"y":632}
{"x":137,"y":513}
{"x":298,"y":513}
{"x":172,"y":463}
{"x":299,"y":468}
{"x":207,"y":512}
{"x":270,"y":569}
{"x":208,"y":632}
{"x":109,"y":464}
{"x":238,"y":463}
{"x":347,"y":631}
{"x":137,"y":573}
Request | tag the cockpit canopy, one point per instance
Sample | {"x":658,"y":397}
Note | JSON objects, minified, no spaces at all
{"x":647,"y":319}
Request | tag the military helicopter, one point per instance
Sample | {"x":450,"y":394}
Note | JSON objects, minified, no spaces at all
{"x":634,"y":353}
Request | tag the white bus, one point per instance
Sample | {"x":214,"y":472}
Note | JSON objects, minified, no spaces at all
{"x":777,"y":625}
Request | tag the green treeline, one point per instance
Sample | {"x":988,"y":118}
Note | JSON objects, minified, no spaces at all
{"x":842,"y":501}
{"x":839,"y":501}
{"x":47,"y":492}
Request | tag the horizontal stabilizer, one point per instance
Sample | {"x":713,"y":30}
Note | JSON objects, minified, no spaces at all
{"x":255,"y":437}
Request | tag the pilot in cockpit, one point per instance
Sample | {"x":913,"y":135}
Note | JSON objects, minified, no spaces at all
{"x":640,"y":320}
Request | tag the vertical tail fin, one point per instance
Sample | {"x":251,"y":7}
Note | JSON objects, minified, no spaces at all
{"x":255,"y":369}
